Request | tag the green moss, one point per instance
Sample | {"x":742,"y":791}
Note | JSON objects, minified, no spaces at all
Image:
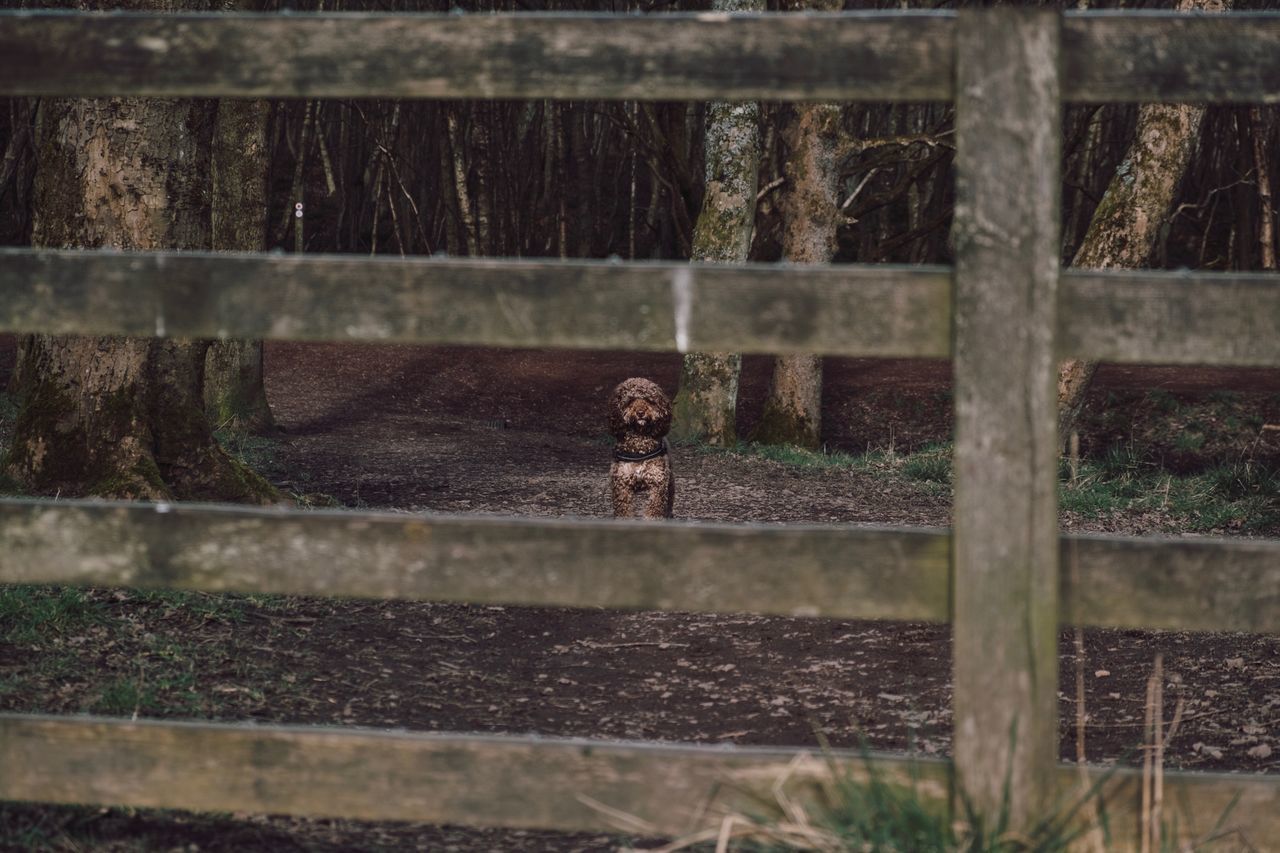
{"x":691,"y":422}
{"x":49,"y":451}
{"x":704,"y":408}
{"x":252,"y":485}
{"x":8,"y":409}
{"x":139,"y":480}
{"x":784,"y":426}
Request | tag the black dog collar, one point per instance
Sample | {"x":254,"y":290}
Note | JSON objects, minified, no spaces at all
{"x":623,"y":456}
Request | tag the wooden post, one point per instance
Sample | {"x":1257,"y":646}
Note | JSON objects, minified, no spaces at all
{"x":1008,"y":115}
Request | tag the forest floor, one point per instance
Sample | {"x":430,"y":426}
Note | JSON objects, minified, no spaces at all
{"x":1167,"y":451}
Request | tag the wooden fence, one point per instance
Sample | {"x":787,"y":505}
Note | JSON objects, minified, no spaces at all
{"x":1005,"y":315}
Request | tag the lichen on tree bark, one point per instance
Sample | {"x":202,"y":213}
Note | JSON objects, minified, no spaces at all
{"x":1130,"y":218}
{"x":706,"y":404}
{"x":234,"y":393}
{"x":122,"y":417}
{"x":809,"y":205}
{"x":810,"y":214}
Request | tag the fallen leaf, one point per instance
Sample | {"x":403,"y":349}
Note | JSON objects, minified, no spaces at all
{"x":1206,"y":749}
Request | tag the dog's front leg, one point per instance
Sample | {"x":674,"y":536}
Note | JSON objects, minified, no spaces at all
{"x":658,"y":504}
{"x":622,"y":494}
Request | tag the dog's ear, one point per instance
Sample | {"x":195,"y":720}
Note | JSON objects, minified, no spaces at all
{"x":617,"y":404}
{"x":662,"y":403}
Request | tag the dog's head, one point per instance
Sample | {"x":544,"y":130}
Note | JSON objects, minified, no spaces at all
{"x":639,"y":407}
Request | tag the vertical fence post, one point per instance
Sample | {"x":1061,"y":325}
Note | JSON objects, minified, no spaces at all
{"x":1008,"y":117}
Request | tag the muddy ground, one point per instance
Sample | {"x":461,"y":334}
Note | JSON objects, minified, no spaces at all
{"x":521,"y":432}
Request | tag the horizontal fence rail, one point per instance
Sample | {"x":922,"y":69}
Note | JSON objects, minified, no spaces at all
{"x":1170,"y":317}
{"x":849,"y":572}
{"x":1187,"y":584}
{"x":766,"y":308}
{"x":559,"y":783}
{"x":870,"y":55}
{"x":847,"y":309}
{"x":1169,"y":57}
{"x":882,"y":56}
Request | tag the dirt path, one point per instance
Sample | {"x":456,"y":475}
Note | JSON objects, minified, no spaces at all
{"x":417,"y":429}
{"x":460,"y":430}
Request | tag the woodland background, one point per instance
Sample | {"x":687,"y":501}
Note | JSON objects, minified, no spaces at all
{"x":413,"y":429}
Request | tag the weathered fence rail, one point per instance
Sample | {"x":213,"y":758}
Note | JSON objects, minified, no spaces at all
{"x":1188,"y":584}
{"x":1005,"y":314}
{"x":768,"y":308}
{"x":556,"y":783}
{"x":851,"y":309}
{"x":881,"y":56}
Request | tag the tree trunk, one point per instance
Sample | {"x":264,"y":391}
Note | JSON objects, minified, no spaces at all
{"x":705,"y":406}
{"x":1132,"y":213}
{"x":457,"y":149}
{"x":234,"y":394}
{"x":1260,"y":133}
{"x":122,"y":417}
{"x":810,"y":209}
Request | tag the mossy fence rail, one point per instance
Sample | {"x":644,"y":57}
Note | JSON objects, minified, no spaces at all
{"x":1004,"y":314}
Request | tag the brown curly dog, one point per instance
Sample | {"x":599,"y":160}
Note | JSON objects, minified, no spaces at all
{"x":639,"y":417}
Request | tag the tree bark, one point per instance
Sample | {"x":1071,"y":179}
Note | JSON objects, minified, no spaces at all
{"x":810,"y":208}
{"x":705,"y":407}
{"x":1260,"y":133}
{"x":1130,"y":218}
{"x":122,"y":417}
{"x":234,"y":393}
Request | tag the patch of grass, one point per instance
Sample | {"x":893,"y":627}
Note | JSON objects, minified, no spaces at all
{"x":222,"y":607}
{"x":252,"y":451}
{"x":315,"y":500}
{"x":799,"y":457}
{"x":785,"y":454}
{"x":1229,"y":398}
{"x":929,"y":467}
{"x":1161,"y":400}
{"x":931,"y":464}
{"x":215,"y":607}
{"x":31,"y":614}
{"x":166,"y":684}
{"x":8,"y":408}
{"x":1188,"y":441}
{"x":124,"y":697}
{"x":36,"y":827}
{"x":1242,"y":480}
{"x":9,"y":487}
{"x":864,"y":810}
{"x":10,"y":686}
{"x":1243,"y":495}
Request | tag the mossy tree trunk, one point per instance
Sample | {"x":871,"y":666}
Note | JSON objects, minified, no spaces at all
{"x":1132,"y":214}
{"x":810,"y":208}
{"x":706,"y":404}
{"x":234,"y":394}
{"x":122,"y":417}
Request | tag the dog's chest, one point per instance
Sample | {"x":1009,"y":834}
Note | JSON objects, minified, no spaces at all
{"x":651,"y":473}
